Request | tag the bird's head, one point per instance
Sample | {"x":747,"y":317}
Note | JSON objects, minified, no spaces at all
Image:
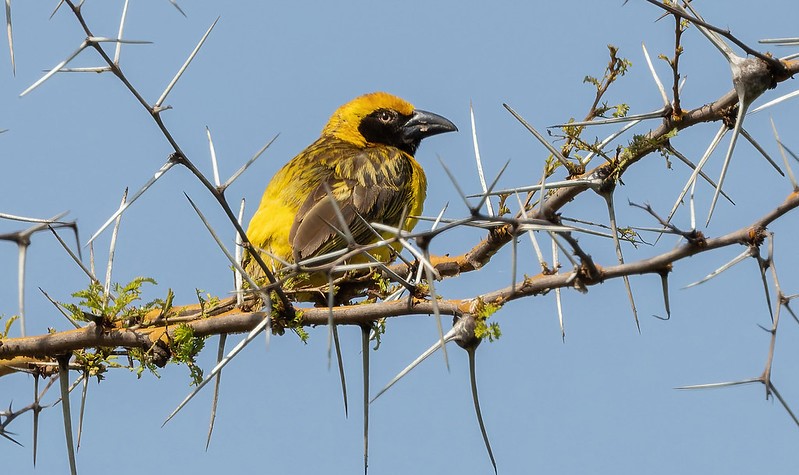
{"x":380,"y":118}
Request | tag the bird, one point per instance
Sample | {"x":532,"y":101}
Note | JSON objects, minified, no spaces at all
{"x":361,"y":168}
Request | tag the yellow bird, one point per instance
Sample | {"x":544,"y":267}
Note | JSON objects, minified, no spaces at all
{"x":365,"y":156}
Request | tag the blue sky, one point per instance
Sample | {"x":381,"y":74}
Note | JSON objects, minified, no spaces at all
{"x":602,"y":402}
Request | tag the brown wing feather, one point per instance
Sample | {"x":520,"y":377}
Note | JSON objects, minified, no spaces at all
{"x":319,"y":228}
{"x":372,"y":185}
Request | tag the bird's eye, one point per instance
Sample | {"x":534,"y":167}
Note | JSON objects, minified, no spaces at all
{"x":385,"y":116}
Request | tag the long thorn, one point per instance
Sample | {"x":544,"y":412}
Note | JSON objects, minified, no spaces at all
{"x":784,"y":404}
{"x":473,"y":382}
{"x":238,"y":279}
{"x":82,"y":411}
{"x":774,"y":102}
{"x":455,"y":183}
{"x":617,"y":243}
{"x":762,"y":151}
{"x":36,"y":410}
{"x":436,"y":310}
{"x":111,"y":251}
{"x":183,"y":68}
{"x":664,"y":284}
{"x":55,"y":69}
{"x":452,"y":333}
{"x":119,"y":34}
{"x":555,"y":152}
{"x":736,"y":131}
{"x":341,"y":376}
{"x":247,"y":165}
{"x":702,"y":174}
{"x":235,"y":351}
{"x":175,"y":4}
{"x":333,"y":342}
{"x":365,"y":359}
{"x":10,"y":35}
{"x":655,"y":77}
{"x":721,"y":385}
{"x":165,"y":168}
{"x":214,"y":164}
{"x":22,"y":258}
{"x":713,"y":144}
{"x":740,"y":257}
{"x":788,"y":168}
{"x":220,"y":353}
{"x":480,"y":173}
{"x":75,"y":258}
{"x":558,"y":296}
{"x":63,"y":376}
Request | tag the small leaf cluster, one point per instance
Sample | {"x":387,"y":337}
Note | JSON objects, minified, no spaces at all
{"x":483,"y":329}
{"x":113,"y":308}
{"x":642,"y":144}
{"x":95,"y":363}
{"x":616,"y":67}
{"x":116,"y":305}
{"x":384,"y":285}
{"x":144,"y":360}
{"x":8,"y":326}
{"x":207,"y":301}
{"x":280,"y":324}
{"x":185,"y":347}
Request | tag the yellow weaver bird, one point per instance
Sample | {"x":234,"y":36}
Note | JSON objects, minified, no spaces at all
{"x":365,"y":157}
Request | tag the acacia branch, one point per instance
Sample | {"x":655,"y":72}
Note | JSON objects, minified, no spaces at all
{"x":153,"y":334}
{"x":227,"y":318}
{"x":179,"y":157}
{"x":481,"y":253}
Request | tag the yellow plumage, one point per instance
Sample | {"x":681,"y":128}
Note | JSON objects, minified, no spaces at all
{"x":365,"y":157}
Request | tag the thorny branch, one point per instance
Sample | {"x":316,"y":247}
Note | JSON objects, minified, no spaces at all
{"x":154,"y":331}
{"x":178,"y":156}
{"x":445,"y":266}
{"x":226,"y":317}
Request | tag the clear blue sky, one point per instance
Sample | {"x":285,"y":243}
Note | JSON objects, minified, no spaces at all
{"x":602,"y":402}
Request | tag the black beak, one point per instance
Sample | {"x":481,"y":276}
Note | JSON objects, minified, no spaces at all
{"x":424,"y":124}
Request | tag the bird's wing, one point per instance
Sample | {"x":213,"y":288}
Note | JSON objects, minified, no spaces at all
{"x":361,"y":198}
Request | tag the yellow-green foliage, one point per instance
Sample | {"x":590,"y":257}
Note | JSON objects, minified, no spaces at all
{"x":118,"y":305}
{"x":96,"y":363}
{"x":8,"y":326}
{"x":483,"y":329}
{"x":95,"y":305}
{"x":206,"y":302}
{"x":296,"y":325}
{"x":379,"y":328}
{"x":280,"y":324}
{"x":385,"y":286}
{"x":641,"y":144}
{"x":185,"y":347}
{"x":144,"y":360}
